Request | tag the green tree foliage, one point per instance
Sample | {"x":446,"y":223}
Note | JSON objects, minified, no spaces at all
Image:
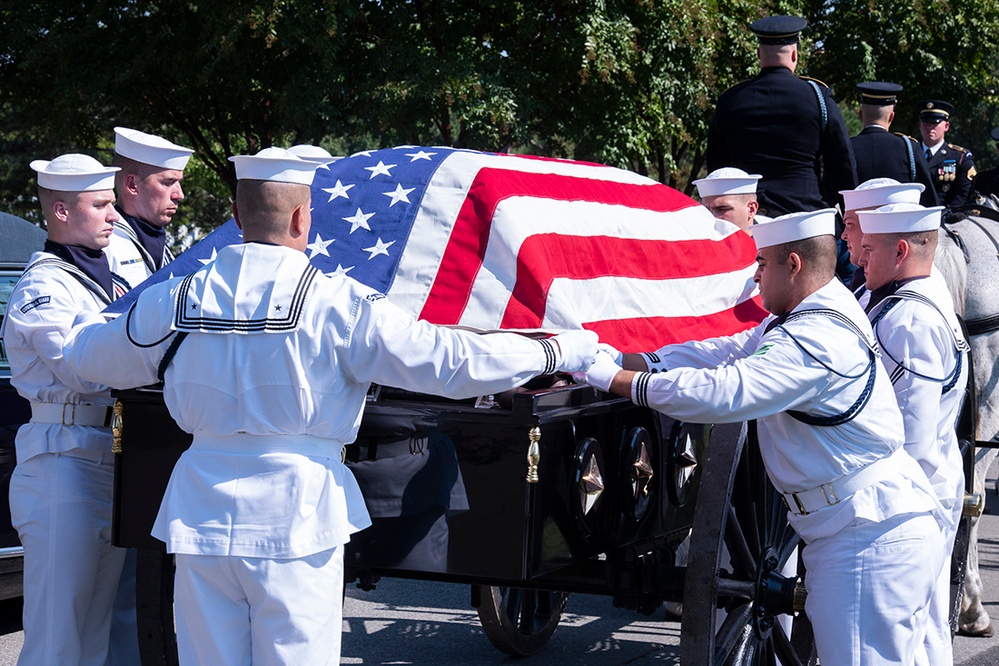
{"x":937,"y":49}
{"x":630,"y":83}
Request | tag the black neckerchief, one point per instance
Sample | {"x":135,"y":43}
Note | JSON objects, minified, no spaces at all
{"x":884,"y":291}
{"x":775,"y":322}
{"x":858,"y":279}
{"x":152,"y":238}
{"x":92,"y":262}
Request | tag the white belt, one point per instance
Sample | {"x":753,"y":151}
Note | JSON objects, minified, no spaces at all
{"x":245,"y":443}
{"x":68,"y":414}
{"x":805,"y":502}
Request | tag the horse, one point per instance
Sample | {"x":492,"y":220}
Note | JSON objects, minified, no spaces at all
{"x":970,"y":238}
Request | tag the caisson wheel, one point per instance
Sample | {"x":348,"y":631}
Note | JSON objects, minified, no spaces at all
{"x":743,"y":566}
{"x":517,"y":621}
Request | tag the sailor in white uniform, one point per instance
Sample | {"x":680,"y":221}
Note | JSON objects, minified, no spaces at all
{"x":869,"y":195}
{"x":60,"y":490}
{"x":730,"y":195}
{"x":149,"y":191}
{"x":267,"y":362}
{"x":925,"y":353}
{"x":830,"y":434}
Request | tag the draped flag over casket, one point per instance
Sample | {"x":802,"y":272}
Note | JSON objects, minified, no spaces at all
{"x":502,"y":241}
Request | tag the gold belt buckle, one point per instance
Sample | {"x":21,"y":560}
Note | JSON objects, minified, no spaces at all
{"x":801,"y":508}
{"x":72,"y":414}
{"x":832,"y":491}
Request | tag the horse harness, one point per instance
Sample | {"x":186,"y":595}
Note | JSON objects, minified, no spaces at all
{"x":979,"y":325}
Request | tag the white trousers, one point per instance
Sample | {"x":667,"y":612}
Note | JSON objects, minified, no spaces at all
{"x":60,"y":504}
{"x":938,"y":649}
{"x":869,"y":589}
{"x":237,"y":611}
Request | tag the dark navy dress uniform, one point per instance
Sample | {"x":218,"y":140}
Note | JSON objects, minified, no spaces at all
{"x":953,"y":171}
{"x":883,"y":154}
{"x":951,"y":167}
{"x":786,"y":128}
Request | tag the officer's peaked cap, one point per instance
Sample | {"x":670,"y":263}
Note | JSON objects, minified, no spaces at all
{"x":879,"y":93}
{"x":935,"y":109}
{"x":778,"y":29}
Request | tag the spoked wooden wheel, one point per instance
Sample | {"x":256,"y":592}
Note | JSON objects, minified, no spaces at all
{"x":742,"y":572}
{"x":519,"y":622}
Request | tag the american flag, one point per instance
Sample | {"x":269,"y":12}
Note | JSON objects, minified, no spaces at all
{"x":501,"y":241}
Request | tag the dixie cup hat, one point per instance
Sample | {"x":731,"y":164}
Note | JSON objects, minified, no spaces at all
{"x":74,"y":172}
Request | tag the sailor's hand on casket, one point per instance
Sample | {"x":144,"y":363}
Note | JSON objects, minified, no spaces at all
{"x":616,"y":354}
{"x":576,"y":350}
{"x":601,"y":373}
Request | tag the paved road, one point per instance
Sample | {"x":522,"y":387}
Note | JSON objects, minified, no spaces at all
{"x":412,"y":622}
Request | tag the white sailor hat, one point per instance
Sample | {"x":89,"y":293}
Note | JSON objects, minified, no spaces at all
{"x":900,"y":218}
{"x":150,"y":149}
{"x":74,"y":172}
{"x":794,"y":227}
{"x":311,"y":153}
{"x":881,"y":192}
{"x":276,"y":165}
{"x":727,"y":180}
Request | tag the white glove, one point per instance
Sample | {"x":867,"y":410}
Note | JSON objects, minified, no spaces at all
{"x":576,"y":350}
{"x":616,"y":354}
{"x":600,"y":374}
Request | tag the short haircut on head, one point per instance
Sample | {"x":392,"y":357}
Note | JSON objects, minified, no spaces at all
{"x":265,"y":206}
{"x":876,"y":112}
{"x":47,"y":198}
{"x":921,"y":243}
{"x":131,"y":167}
{"x":818,"y":252}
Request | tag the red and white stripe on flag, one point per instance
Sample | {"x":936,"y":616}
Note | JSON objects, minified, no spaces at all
{"x":506,"y":241}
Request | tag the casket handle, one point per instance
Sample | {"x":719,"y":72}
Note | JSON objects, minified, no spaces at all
{"x":533,"y":454}
{"x":117,"y":426}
